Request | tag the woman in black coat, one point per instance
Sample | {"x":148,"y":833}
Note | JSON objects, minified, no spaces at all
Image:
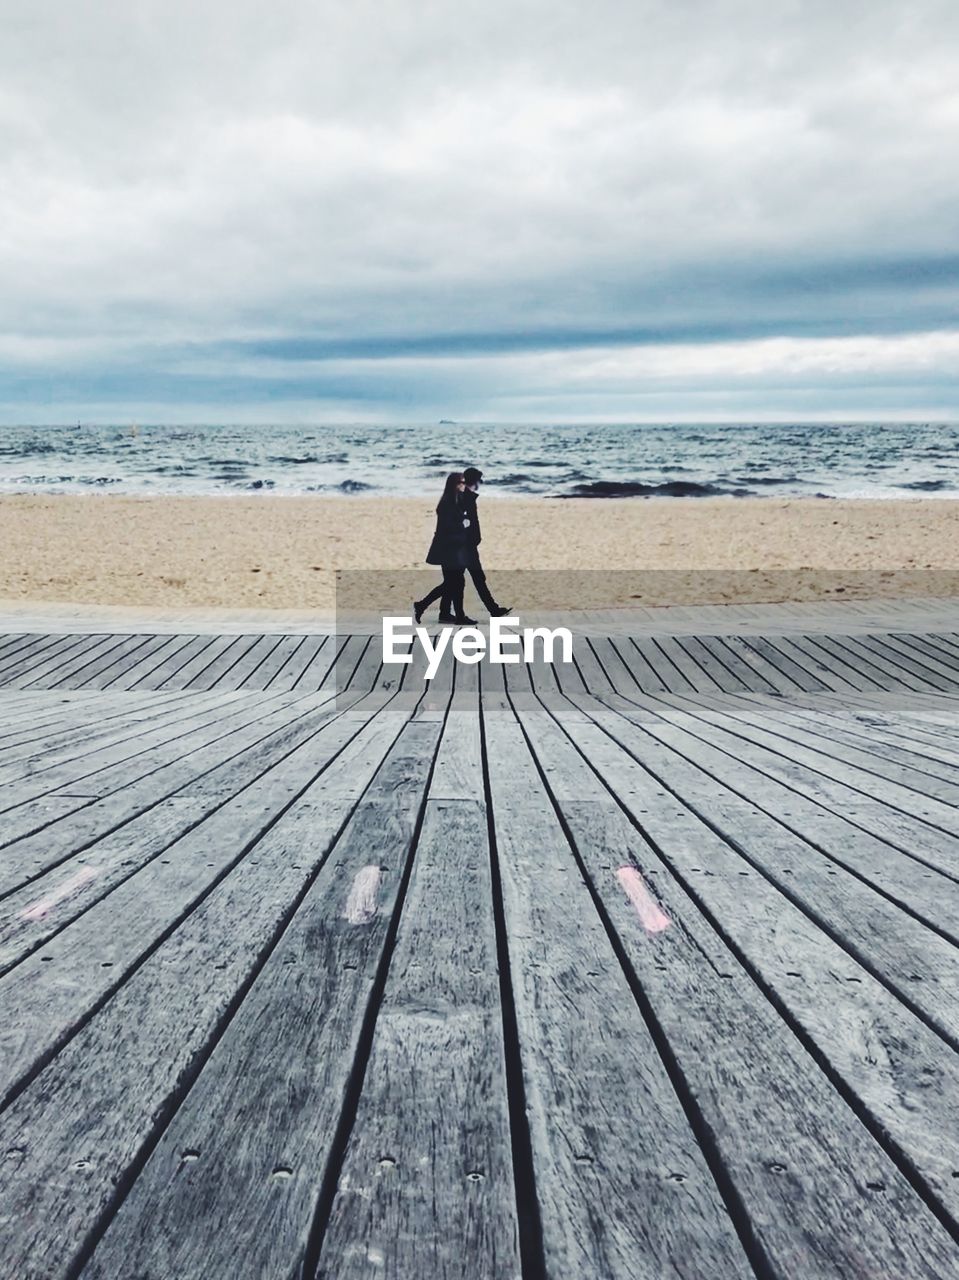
{"x":450,"y":549}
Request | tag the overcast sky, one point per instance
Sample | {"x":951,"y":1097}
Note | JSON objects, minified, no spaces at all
{"x":480,"y":209}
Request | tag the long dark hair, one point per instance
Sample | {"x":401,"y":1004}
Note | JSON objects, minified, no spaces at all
{"x":453,"y":481}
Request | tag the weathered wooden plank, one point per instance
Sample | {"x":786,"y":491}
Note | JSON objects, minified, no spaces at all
{"x":135,"y":650}
{"x":36,"y":671}
{"x":223,"y":664}
{"x":31,"y":841}
{"x":870,"y":754}
{"x":265,"y":1138}
{"x":713,"y":664}
{"x":366,"y":674}
{"x":659,"y":671}
{"x":898,"y":739}
{"x":337,"y":674}
{"x":28,"y":654}
{"x":864,"y":912}
{"x":933,"y":716}
{"x":618,"y":673}
{"x":113,"y":659}
{"x":796,"y":1154}
{"x":691,"y":670}
{"x":834,"y":674}
{"x":897,"y":672}
{"x":784,"y":672}
{"x":36,"y":760}
{"x":72,"y":673}
{"x":213,"y":648}
{"x":45,"y":1001}
{"x":104,"y":767}
{"x":601,"y":1107}
{"x":434,"y":1092}
{"x":10,"y":643}
{"x":426,"y":1187}
{"x":830,"y":775}
{"x":52,"y":720}
{"x":858,"y":667}
{"x":43,"y":907}
{"x":932,"y":646}
{"x":746,"y":668}
{"x":274,"y":663}
{"x":308,"y":665}
{"x":889,"y":866}
{"x":916,"y":650}
{"x":238,"y":674}
{"x":161,"y":673}
{"x":45,"y":653}
{"x":590,"y":669}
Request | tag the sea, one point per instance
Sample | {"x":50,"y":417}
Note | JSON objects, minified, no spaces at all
{"x":656,"y":461}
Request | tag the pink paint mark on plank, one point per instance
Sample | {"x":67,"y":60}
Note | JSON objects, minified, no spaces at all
{"x":361,"y":901}
{"x":651,"y":917}
{"x":43,"y":906}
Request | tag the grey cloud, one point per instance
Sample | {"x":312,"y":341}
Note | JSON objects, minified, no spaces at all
{"x":361,"y":181}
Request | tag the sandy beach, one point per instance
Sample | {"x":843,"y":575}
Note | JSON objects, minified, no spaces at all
{"x":283,"y":552}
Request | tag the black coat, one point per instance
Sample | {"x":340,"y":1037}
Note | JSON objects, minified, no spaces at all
{"x":468,"y":498}
{"x":451,"y":546}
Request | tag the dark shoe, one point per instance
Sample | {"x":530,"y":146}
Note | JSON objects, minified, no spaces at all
{"x":448,"y":617}
{"x":500,"y":611}
{"x":465,"y":622}
{"x":417,"y":609}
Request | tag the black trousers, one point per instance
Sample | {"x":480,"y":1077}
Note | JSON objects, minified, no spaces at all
{"x":449,"y":592}
{"x":475,"y":570}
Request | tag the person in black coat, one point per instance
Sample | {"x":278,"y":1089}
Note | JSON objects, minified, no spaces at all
{"x":451,"y":549}
{"x":473,"y":477}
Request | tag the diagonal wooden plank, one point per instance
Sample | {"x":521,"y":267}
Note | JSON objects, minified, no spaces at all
{"x":274,"y":663}
{"x":160,"y":670}
{"x":797,"y":1154}
{"x":665,"y":673}
{"x":162,"y":1024}
{"x":312,"y":995}
{"x":307,"y":666}
{"x":426,"y":1184}
{"x":35,"y":650}
{"x":672,"y":649}
{"x":72,"y":673}
{"x":56,"y":760}
{"x":31,"y":915}
{"x":211,"y":649}
{"x":221,"y":666}
{"x":40,"y":670}
{"x":602,"y":1109}
{"x":831,"y":670}
{"x":867,"y":756}
{"x":44,"y":832}
{"x":864,"y":910}
{"x":135,"y":650}
{"x":240,"y":672}
{"x":46,"y":1001}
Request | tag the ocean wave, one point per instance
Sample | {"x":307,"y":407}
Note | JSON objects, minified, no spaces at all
{"x":316,"y":459}
{"x":345,"y":486}
{"x":928,"y":486}
{"x":516,"y":479}
{"x":636,"y":489}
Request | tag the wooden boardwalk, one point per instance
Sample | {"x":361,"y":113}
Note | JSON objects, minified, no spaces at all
{"x":636,"y":969}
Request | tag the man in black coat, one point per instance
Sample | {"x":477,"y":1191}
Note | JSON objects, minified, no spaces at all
{"x":473,"y":477}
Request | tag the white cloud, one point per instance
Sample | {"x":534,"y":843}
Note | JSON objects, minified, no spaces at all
{"x":174,"y":174}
